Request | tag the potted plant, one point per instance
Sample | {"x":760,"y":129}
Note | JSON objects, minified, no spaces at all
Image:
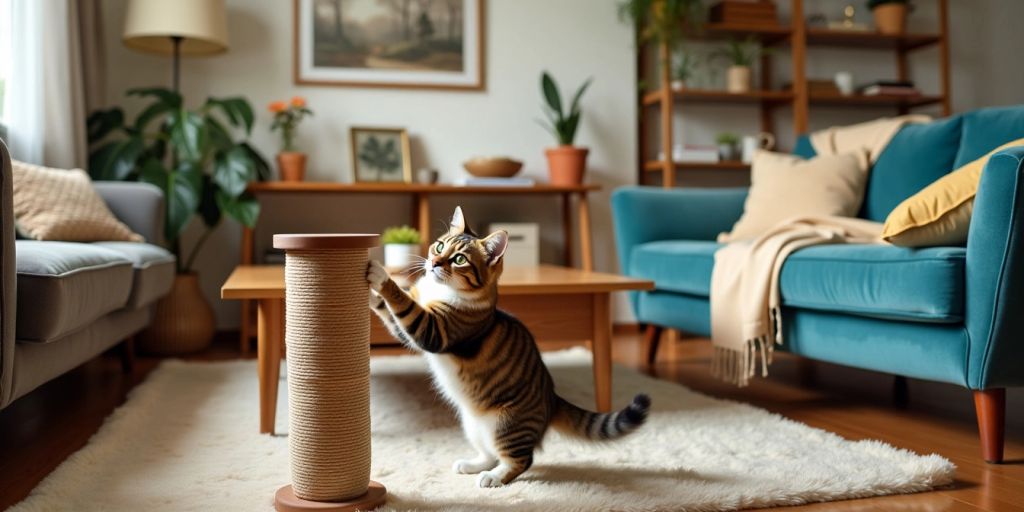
{"x":291,"y":164}
{"x":727,"y":146}
{"x":401,"y":246}
{"x":684,"y":68}
{"x":890,"y":15}
{"x":566,"y":162}
{"x":664,"y":22}
{"x":741,"y":56}
{"x":194,"y":157}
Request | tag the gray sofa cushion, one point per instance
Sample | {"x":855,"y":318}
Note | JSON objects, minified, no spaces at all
{"x":153,"y":267}
{"x":63,"y":286}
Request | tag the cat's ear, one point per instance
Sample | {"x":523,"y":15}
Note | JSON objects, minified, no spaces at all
{"x":495,"y":245}
{"x":458,"y":224}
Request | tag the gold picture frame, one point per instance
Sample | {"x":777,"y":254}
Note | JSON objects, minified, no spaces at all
{"x":324,"y":54}
{"x":373,"y":154}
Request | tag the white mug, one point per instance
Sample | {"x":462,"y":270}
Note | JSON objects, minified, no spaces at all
{"x":844,"y":82}
{"x":752,"y":143}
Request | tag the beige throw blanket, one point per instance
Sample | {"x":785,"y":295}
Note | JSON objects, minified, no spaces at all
{"x":746,"y":320}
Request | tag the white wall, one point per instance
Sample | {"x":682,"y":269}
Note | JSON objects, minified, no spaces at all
{"x":574,"y":39}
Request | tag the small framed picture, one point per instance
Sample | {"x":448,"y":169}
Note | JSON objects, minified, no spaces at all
{"x":380,"y":155}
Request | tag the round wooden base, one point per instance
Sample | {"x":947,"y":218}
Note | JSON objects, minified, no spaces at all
{"x":286,"y":501}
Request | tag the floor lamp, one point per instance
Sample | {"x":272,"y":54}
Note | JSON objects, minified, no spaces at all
{"x":176,"y":28}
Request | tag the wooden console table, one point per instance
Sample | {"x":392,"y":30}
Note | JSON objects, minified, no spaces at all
{"x":420,"y":195}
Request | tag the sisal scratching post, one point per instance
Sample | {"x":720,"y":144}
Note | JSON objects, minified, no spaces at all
{"x":327,"y":332}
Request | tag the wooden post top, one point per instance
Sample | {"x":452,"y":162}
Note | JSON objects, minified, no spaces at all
{"x":327,"y":241}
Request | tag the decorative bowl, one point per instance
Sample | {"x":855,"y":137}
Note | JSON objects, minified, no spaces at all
{"x":492,"y":166}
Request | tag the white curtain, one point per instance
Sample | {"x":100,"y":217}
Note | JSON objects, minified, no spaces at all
{"x":46,"y":103}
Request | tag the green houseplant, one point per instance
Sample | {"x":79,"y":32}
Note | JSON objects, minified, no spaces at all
{"x":890,"y":15}
{"x":727,"y":145}
{"x":566,"y":162}
{"x":203,"y":167}
{"x":740,"y":56}
{"x":401,"y":245}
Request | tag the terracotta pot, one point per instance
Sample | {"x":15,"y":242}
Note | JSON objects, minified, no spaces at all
{"x":291,"y":165}
{"x":182,"y":321}
{"x":890,"y":18}
{"x":566,"y":164}
{"x":738,"y":79}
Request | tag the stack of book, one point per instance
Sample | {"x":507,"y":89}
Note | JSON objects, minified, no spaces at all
{"x":693,"y":153}
{"x":889,"y":88}
{"x":744,"y":12}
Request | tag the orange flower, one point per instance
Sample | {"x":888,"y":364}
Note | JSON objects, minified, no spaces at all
{"x":298,"y":101}
{"x":277,"y":106}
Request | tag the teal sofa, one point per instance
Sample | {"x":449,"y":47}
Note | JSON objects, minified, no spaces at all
{"x":949,"y":314}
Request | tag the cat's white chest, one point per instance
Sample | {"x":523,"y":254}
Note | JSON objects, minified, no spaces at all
{"x":430,"y":290}
{"x":446,"y":376}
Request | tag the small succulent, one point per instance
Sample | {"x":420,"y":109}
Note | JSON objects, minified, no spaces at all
{"x":727,"y":138}
{"x":400,"y":235}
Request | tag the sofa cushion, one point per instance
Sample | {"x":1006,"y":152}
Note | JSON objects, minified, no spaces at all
{"x":916,"y":156}
{"x":63,"y":286}
{"x":988,"y":128}
{"x":153,"y":270}
{"x":880,"y":281}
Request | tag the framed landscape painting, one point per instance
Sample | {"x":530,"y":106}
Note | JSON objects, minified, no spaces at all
{"x":380,"y":155}
{"x":423,"y":44}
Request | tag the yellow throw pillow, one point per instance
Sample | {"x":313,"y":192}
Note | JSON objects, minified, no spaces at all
{"x":784,"y":186}
{"x":58,"y":204}
{"x":940,"y":214}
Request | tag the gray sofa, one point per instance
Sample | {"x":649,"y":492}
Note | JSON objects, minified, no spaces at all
{"x":63,"y":303}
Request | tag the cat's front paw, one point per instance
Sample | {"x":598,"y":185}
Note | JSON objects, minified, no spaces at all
{"x":376,"y":301}
{"x":376,"y":275}
{"x":489,"y":479}
{"x":472,"y":466}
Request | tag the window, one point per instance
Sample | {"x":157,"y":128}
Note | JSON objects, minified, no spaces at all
{"x":5,"y":55}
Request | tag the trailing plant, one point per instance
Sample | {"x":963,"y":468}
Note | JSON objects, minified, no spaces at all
{"x":193,"y":156}
{"x":561,"y":123}
{"x":875,"y":3}
{"x":400,"y":235}
{"x":287,"y":117}
{"x":663,"y":21}
{"x":727,"y":138}
{"x":740,"y":53}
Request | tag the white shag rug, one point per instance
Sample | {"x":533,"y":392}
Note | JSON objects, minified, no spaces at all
{"x":187,"y":440}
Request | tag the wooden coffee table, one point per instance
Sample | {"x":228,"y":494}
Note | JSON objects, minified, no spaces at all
{"x":556,"y":303}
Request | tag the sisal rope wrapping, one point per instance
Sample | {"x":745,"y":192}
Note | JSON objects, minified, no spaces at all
{"x":327,"y":332}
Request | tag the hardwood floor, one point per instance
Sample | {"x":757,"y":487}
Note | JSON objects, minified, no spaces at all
{"x":40,"y":430}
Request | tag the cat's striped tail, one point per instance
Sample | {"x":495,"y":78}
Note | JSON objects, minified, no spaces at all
{"x":572,"y":420}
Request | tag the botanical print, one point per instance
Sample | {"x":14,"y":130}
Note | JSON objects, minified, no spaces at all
{"x":411,"y":43}
{"x":380,"y":155}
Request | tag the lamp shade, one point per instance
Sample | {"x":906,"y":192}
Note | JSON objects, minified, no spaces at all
{"x":202,"y":24}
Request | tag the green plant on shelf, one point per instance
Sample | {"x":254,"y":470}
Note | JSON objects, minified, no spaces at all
{"x":740,"y":52}
{"x":404,"y":235}
{"x":663,"y":21}
{"x":685,"y":66}
{"x":727,"y":139}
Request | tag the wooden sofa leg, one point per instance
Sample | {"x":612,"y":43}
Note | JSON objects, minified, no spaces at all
{"x":990,"y":406}
{"x":128,"y":355}
{"x":652,"y":337}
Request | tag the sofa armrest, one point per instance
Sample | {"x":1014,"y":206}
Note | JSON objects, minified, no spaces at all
{"x":139,"y":205}
{"x":647,"y":214}
{"x":995,"y":275}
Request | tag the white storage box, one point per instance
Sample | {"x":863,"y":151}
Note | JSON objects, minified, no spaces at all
{"x":523,"y":243}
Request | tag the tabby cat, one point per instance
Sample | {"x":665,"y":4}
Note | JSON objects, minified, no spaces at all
{"x":483,"y":360}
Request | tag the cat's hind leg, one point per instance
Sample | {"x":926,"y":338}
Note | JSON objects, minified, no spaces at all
{"x":515,"y":445}
{"x":479,"y":431}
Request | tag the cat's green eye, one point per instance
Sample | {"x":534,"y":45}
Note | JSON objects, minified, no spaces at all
{"x":459,"y":259}
{"x":438,"y":247}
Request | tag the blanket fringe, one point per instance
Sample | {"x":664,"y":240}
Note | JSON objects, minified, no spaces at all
{"x":738,"y":366}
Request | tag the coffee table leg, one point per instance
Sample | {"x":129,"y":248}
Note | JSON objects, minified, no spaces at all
{"x":601,"y":348}
{"x":270,"y":335}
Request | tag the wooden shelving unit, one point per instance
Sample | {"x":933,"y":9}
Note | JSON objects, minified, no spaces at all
{"x":799,"y":38}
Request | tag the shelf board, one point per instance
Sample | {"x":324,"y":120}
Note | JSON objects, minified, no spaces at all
{"x":858,"y":39}
{"x":881,"y":101}
{"x":764,"y":33}
{"x":713,"y":96}
{"x":729,"y":165}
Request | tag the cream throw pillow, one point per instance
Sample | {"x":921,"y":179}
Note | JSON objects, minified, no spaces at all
{"x":58,"y":204}
{"x":786,"y":186}
{"x":939,"y":214}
